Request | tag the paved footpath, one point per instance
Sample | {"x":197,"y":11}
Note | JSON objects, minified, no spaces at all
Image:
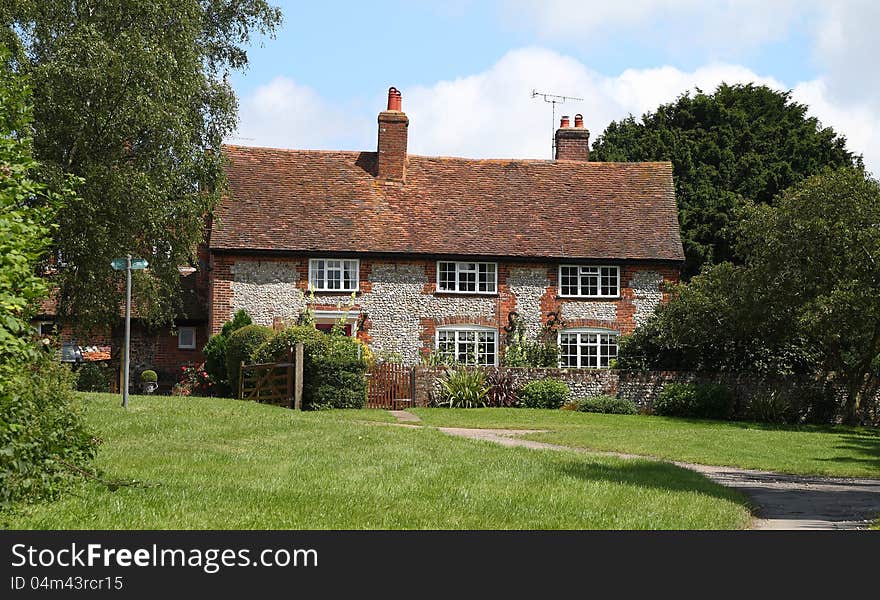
{"x":781,"y":501}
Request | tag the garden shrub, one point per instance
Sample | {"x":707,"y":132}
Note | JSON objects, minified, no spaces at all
{"x":607,"y":404}
{"x":463,"y":387}
{"x":502,"y":389}
{"x":695,"y":400}
{"x":334,"y":365}
{"x":340,"y":370}
{"x":797,"y":405}
{"x":544,"y":393}
{"x":40,"y":430}
{"x":149,"y":376}
{"x":215,"y":353}
{"x":94,"y":377}
{"x":240,"y":347}
{"x":818,"y":407}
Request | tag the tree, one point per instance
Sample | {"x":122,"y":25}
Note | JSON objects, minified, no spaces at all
{"x":741,"y":143}
{"x":132,"y":98}
{"x":807,"y":298}
{"x":41,"y":433}
{"x":26,"y":210}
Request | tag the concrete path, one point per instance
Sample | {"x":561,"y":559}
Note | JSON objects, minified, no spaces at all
{"x":781,"y":501}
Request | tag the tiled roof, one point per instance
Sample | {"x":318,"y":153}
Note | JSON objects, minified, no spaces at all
{"x":312,"y":201}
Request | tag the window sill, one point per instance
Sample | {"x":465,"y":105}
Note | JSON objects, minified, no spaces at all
{"x":333,"y":292}
{"x":560,"y":297}
{"x":449,"y":293}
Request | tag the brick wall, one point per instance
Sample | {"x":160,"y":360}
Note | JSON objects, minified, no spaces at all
{"x":403,"y":307}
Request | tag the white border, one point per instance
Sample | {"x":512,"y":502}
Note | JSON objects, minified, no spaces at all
{"x":357,"y":277}
{"x":599,"y":295}
{"x":462,"y":262}
{"x":468,"y":327}
{"x":598,"y":330}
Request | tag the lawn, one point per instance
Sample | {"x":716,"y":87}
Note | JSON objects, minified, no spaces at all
{"x":213,"y":463}
{"x":809,"y":450}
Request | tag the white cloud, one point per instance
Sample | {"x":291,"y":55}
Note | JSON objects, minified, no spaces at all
{"x":718,"y":26}
{"x":492,"y":114}
{"x":847,"y":47}
{"x":284,"y":114}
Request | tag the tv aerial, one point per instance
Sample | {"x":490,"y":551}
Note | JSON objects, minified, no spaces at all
{"x":553,"y":99}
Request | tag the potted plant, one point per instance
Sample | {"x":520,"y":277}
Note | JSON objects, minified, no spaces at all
{"x":149,"y":381}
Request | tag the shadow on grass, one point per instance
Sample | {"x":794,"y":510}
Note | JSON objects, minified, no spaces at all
{"x":863,"y":450}
{"x":656,"y":475}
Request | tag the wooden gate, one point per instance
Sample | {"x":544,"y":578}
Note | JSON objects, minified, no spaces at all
{"x":269,"y":383}
{"x":390,"y":386}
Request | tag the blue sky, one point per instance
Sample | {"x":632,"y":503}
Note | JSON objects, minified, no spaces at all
{"x":466,"y":68}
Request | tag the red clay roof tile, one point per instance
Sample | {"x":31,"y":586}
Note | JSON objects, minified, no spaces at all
{"x":325,"y":201}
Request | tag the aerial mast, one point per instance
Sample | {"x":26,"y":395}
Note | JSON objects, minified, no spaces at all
{"x":553,"y":99}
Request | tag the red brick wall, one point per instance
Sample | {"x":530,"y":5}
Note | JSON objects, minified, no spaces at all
{"x":391,"y":155}
{"x":505,"y":301}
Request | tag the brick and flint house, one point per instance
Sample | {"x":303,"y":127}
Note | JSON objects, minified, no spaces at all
{"x":420,"y":254}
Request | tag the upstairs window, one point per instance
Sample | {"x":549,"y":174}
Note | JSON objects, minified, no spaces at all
{"x":333,"y":275}
{"x":589,"y":282}
{"x":587,"y":349}
{"x":468,"y":344}
{"x":467,"y":277}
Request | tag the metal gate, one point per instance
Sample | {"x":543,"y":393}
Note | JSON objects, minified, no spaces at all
{"x":390,"y":386}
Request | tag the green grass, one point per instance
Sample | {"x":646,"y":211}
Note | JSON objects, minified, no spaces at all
{"x":809,"y":450}
{"x":214,"y":463}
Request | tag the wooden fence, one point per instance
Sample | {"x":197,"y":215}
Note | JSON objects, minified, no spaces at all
{"x":273,"y":383}
{"x":390,"y":386}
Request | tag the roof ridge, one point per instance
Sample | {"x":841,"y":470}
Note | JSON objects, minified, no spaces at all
{"x":495,"y":160}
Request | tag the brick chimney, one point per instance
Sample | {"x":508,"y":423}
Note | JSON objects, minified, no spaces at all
{"x":572,"y":143}
{"x":391,"y":153}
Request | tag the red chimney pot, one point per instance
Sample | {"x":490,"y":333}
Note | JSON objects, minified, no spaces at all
{"x":394,"y":99}
{"x":564,"y":122}
{"x":579,"y":121}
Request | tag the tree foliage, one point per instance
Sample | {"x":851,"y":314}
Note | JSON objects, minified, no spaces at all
{"x":805,"y":300}
{"x":741,"y":143}
{"x":26,"y":210}
{"x":132,"y":98}
{"x":42,"y":438}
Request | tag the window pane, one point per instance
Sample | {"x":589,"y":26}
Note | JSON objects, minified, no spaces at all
{"x":467,"y":277}
{"x":609,"y":281}
{"x":589,"y":281}
{"x":447,"y":276}
{"x":568,"y":349}
{"x":568,"y":281}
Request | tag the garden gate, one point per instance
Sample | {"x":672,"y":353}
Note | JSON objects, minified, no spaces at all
{"x":273,"y":383}
{"x":390,"y":386}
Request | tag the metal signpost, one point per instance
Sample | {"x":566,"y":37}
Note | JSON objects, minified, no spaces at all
{"x":128,"y":264}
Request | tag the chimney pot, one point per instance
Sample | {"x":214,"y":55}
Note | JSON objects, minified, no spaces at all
{"x":579,"y":121}
{"x":564,"y":122}
{"x":394,"y":99}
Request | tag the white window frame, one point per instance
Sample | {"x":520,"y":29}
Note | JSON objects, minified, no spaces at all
{"x":598,"y":273}
{"x":324,"y":317}
{"x":40,"y":328}
{"x":180,"y":343}
{"x":316,"y":286}
{"x":456,"y":330}
{"x":461,"y":266}
{"x":579,"y":331}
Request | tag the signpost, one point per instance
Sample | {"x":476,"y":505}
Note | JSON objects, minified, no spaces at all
{"x":128,"y":264}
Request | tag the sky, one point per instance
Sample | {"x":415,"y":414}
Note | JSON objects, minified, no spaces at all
{"x":467,"y":68}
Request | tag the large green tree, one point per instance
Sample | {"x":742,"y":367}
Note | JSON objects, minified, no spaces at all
{"x":806,"y":299}
{"x":741,"y":143}
{"x":132,"y":98}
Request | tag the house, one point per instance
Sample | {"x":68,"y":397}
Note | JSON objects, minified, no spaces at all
{"x":419,"y":254}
